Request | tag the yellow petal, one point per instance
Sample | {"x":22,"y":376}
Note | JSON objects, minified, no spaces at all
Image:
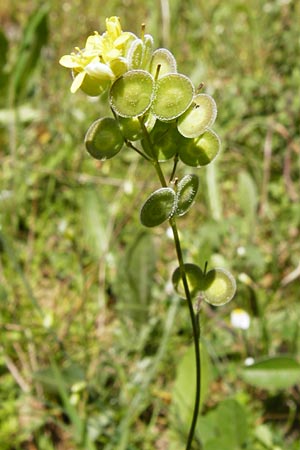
{"x":68,"y":61}
{"x":94,"y":42}
{"x":77,"y":82}
{"x":99,"y":70}
{"x":113,"y":27}
{"x":123,"y":38}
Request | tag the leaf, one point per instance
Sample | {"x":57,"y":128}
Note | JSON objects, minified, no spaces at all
{"x":183,"y":396}
{"x":34,"y":38}
{"x":278,"y":372}
{"x":225,"y":427}
{"x":3,"y":50}
{"x":135,"y":279}
{"x":95,"y":216}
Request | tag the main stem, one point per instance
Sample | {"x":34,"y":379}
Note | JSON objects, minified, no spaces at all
{"x":196,"y":332}
{"x":195,"y":325}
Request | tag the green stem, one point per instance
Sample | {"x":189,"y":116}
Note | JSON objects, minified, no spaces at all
{"x":193,"y":317}
{"x":196,"y":332}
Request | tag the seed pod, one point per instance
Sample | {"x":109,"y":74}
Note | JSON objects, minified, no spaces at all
{"x":200,"y":116}
{"x":148,"y":44}
{"x":163,"y":58}
{"x":135,"y":54}
{"x":165,"y":139}
{"x":131,"y":95}
{"x":194,"y":277}
{"x":200,"y":151}
{"x":172,"y":97}
{"x":103,"y":139}
{"x":130,"y":128}
{"x":187,"y":189}
{"x":158,"y":207}
{"x":218,"y":287}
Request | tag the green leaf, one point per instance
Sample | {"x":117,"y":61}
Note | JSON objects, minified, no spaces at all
{"x":158,"y":207}
{"x":225,"y":427}
{"x":103,"y":139}
{"x":187,"y":189}
{"x":173,"y":95}
{"x":278,"y":372}
{"x":135,"y":279}
{"x":183,"y":395}
{"x":141,"y":261}
{"x":34,"y":38}
{"x":131,"y":94}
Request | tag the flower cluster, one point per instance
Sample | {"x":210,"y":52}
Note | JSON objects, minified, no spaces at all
{"x":146,"y":93}
{"x":101,"y":61}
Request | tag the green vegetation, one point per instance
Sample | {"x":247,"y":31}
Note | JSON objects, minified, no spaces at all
{"x":95,"y":346}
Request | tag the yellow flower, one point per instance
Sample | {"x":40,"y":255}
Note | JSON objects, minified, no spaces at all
{"x":101,"y":61}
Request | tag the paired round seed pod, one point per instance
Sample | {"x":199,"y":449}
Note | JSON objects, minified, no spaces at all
{"x":217,"y":287}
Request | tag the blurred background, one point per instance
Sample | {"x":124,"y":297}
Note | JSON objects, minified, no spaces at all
{"x":96,"y":348}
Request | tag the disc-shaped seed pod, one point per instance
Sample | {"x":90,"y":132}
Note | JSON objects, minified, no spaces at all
{"x":130,"y":128}
{"x":200,"y":116}
{"x":172,"y":97}
{"x":165,"y":60}
{"x":200,"y":151}
{"x":165,"y":138}
{"x":131,"y":94}
{"x":194,"y":277}
{"x":158,"y":207}
{"x":135,"y":54}
{"x":103,"y":139}
{"x":147,"y":51}
{"x":218,"y":287}
{"x":187,"y":189}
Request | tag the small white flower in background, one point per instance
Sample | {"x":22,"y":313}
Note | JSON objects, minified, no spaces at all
{"x":249,"y":361}
{"x":239,"y":318}
{"x":241,"y":251}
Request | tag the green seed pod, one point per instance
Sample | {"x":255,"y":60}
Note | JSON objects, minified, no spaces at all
{"x":165,"y":138}
{"x":200,"y":116}
{"x":218,"y":287}
{"x":163,"y":58}
{"x":200,"y":151}
{"x":187,"y":189}
{"x":194,"y":277}
{"x":135,"y":54}
{"x":148,"y":44}
{"x":172,"y":97}
{"x":131,"y":95}
{"x":103,"y":139}
{"x":130,"y":128}
{"x":158,"y":207}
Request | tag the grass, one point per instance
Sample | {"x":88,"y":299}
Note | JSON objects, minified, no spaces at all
{"x":86,"y":362}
